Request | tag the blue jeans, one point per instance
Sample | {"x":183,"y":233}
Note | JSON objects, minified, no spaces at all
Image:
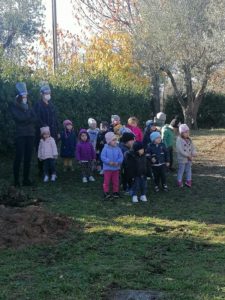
{"x":184,"y":168}
{"x":140,"y":184}
{"x":49,"y":166}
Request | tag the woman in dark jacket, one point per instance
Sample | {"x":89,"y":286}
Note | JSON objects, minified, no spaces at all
{"x":25,"y":119}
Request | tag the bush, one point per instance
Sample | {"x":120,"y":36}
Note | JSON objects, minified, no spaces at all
{"x":211,"y":112}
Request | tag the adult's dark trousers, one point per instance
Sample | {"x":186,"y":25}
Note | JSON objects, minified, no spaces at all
{"x":159,"y":173}
{"x":170,"y":150}
{"x":24,"y":151}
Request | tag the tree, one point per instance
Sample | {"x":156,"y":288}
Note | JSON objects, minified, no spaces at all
{"x":184,"y":38}
{"x":20,"y":21}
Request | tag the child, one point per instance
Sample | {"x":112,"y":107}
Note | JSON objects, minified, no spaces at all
{"x":115,"y":125}
{"x":112,"y":158}
{"x":47,"y":152}
{"x":68,"y":145}
{"x":169,"y":136}
{"x":126,"y":143}
{"x":150,"y":127}
{"x":85,"y":155}
{"x":159,"y":157}
{"x":104,"y":128}
{"x":132,"y":124}
{"x":135,"y":164}
{"x":185,"y":153}
{"x":93,"y":131}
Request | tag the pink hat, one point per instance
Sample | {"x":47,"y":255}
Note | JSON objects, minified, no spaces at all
{"x":45,"y":129}
{"x":183,"y":128}
{"x":109,"y":137}
{"x":67,"y":122}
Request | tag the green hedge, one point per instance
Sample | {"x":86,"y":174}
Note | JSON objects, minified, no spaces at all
{"x":97,"y":99}
{"x":211,"y":112}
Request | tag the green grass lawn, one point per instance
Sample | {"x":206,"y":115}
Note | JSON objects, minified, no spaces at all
{"x":175,"y":243}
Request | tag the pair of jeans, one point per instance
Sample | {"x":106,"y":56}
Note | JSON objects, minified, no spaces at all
{"x":111,"y":176}
{"x":86,"y":168}
{"x":184,"y":168}
{"x":24,"y":151}
{"x":159,"y":173}
{"x":139,"y":184}
{"x":49,"y":166}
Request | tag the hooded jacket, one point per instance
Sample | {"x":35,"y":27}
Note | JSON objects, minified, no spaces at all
{"x":85,"y":150}
{"x":111,"y":154}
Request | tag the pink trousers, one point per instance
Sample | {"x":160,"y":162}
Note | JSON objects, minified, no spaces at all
{"x":111,"y":176}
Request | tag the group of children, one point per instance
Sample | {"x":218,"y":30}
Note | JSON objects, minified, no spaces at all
{"x":122,"y":154}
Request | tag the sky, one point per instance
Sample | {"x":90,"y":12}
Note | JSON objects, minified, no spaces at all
{"x":65,"y":17}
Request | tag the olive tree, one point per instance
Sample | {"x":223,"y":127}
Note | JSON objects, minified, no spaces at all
{"x":186,"y":40}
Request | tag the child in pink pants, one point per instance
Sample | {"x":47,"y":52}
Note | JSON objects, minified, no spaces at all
{"x":112,"y":158}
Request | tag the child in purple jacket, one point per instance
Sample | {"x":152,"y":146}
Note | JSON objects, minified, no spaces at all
{"x":85,"y":154}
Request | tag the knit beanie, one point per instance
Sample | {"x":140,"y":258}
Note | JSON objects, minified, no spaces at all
{"x":124,"y":129}
{"x":137,"y":146}
{"x":109,"y":137}
{"x":45,"y":129}
{"x":91,"y":121}
{"x":183,"y":128}
{"x":67,"y":122}
{"x":21,"y":88}
{"x":127,"y":136}
{"x":161,"y":116}
{"x":45,"y":88}
{"x":115,"y":118}
{"x":154,"y":135}
{"x":150,"y":123}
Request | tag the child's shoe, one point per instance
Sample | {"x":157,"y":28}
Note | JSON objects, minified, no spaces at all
{"x":188,"y":183}
{"x":156,"y":188}
{"x":53,"y":177}
{"x":180,"y":184}
{"x":116,"y":195}
{"x":84,"y":180}
{"x":135,"y":199}
{"x":107,"y":196}
{"x":91,"y":179}
{"x":143,"y":198}
{"x":165,"y":188}
{"x":46,"y":178}
{"x":101,"y":172}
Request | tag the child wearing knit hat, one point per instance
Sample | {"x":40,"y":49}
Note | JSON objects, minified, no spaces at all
{"x":48,"y":153}
{"x":112,"y":158}
{"x":159,"y":157}
{"x":185,"y":153}
{"x":68,"y":145}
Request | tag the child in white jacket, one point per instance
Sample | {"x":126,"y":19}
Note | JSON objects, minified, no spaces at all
{"x":185,"y":153}
{"x":48,"y":153}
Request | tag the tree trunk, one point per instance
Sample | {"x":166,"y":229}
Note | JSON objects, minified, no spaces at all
{"x":156,"y":92}
{"x":188,"y":116}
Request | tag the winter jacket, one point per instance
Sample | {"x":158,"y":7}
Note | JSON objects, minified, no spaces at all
{"x":25,"y":120}
{"x":184,"y":148}
{"x":46,"y":116}
{"x":68,"y":144}
{"x":85,"y":150}
{"x":93,"y":134}
{"x":101,"y":141}
{"x":137,"y":132}
{"x":47,"y":149}
{"x":123,"y":148}
{"x":168,"y":136}
{"x":159,"y":152}
{"x":135,"y":165}
{"x":111,"y":154}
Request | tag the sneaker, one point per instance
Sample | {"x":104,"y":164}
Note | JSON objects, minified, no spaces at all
{"x":46,"y":178}
{"x":188,"y":183}
{"x":53,"y":177}
{"x":84,"y":180}
{"x":165,"y":188}
{"x":91,"y":179}
{"x":101,"y":172}
{"x":107,"y":196}
{"x":180,"y":184}
{"x":143,"y":198}
{"x":116,"y":195}
{"x":156,"y":189}
{"x":135,"y":199}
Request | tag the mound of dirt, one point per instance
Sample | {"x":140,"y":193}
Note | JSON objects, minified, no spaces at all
{"x":20,"y":227}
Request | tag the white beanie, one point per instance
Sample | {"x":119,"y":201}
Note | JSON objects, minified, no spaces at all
{"x":183,"y":128}
{"x":91,"y":121}
{"x":45,"y":129}
{"x":109,"y":137}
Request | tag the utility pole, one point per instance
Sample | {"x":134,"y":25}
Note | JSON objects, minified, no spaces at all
{"x":54,"y":34}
